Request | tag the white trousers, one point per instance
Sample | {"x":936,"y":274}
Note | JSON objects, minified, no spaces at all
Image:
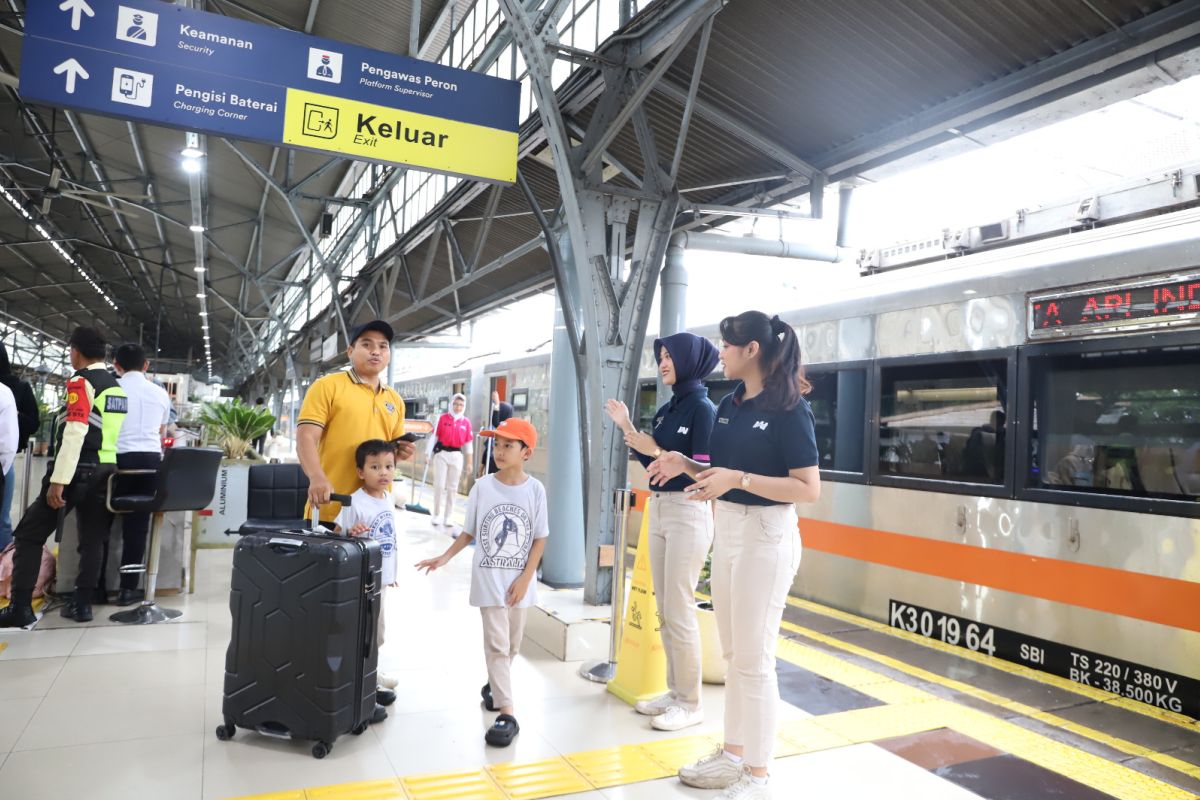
{"x":681,"y":532}
{"x":503,"y":629}
{"x":447,"y":469}
{"x":756,"y":554}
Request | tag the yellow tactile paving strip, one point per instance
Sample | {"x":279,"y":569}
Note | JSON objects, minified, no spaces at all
{"x":617,"y":766}
{"x":908,"y":710}
{"x":468,"y":785}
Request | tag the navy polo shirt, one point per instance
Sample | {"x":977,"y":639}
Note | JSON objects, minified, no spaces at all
{"x":749,"y":438}
{"x":683,"y":424}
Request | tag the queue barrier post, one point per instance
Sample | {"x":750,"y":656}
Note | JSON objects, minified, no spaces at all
{"x":603,"y":671}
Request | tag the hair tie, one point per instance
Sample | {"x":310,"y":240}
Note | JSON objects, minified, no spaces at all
{"x":778,"y":327}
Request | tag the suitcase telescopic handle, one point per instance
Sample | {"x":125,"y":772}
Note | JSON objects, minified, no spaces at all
{"x":280,"y":543}
{"x":344,"y":499}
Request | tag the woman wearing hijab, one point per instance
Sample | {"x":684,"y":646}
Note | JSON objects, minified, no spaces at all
{"x":681,"y":531}
{"x":764,"y":461}
{"x":450,"y":440}
{"x":27,"y":424}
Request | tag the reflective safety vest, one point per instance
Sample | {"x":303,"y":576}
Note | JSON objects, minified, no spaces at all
{"x":104,"y":412}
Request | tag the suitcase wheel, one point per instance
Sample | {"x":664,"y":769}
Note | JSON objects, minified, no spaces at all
{"x":361,"y":729}
{"x":321,"y":749}
{"x":225,"y":732}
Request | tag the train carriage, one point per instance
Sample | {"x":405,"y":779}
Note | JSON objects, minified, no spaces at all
{"x":1017,"y":482}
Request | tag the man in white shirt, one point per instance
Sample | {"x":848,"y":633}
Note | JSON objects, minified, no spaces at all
{"x":138,"y":447}
{"x":9,"y":435}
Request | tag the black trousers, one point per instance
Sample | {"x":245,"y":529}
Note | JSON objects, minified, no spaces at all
{"x":86,"y":496}
{"x":134,"y":527}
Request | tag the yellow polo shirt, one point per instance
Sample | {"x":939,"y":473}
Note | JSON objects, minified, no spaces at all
{"x":349,"y":413}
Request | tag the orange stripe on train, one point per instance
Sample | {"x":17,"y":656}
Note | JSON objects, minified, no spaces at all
{"x":1167,"y":601}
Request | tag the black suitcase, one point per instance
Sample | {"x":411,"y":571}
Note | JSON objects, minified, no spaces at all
{"x":302,"y":658}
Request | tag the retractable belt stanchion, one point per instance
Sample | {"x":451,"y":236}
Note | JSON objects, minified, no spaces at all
{"x":27,"y":473}
{"x":603,"y":671}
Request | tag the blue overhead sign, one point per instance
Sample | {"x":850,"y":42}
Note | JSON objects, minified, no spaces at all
{"x":166,"y":65}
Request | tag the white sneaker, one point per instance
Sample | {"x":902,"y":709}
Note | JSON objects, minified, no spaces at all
{"x":677,"y":718}
{"x":655,"y":706}
{"x":387,"y":680}
{"x":746,"y":789}
{"x":714,"y":771}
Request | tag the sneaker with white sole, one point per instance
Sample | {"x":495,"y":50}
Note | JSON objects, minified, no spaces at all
{"x":655,"y":706}
{"x":676,"y":718}
{"x":746,"y":789}
{"x":714,"y":771}
{"x":387,"y":680}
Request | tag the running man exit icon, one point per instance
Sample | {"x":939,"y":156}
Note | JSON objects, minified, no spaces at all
{"x":320,"y":121}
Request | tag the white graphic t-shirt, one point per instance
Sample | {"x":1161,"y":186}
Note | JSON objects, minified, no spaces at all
{"x":504,"y":521}
{"x":380,"y":517}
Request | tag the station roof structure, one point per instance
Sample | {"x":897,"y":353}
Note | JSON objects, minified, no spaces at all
{"x":790,"y":97}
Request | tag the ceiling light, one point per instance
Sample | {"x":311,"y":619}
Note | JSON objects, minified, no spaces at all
{"x":198,"y":268}
{"x":196,"y":228}
{"x":204,"y":313}
{"x":191,"y":152}
{"x":190,"y":165}
{"x":200,"y":295}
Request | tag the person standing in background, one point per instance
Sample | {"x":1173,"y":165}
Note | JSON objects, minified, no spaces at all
{"x":500,"y":411}
{"x":28,"y":420}
{"x":260,"y":441}
{"x":449,"y":449}
{"x":138,"y":447}
{"x":85,"y":454}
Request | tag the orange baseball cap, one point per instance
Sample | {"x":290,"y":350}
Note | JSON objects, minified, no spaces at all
{"x":514,"y":428}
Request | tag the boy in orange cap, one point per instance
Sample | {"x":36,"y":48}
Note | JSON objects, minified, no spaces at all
{"x":506,"y":513}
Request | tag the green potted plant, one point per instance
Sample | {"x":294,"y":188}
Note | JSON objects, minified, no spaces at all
{"x":234,"y":427}
{"x":712,"y":659}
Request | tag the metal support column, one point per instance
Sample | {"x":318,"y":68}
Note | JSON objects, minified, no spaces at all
{"x":562,"y":563}
{"x":672,"y":303}
{"x":610,"y":282}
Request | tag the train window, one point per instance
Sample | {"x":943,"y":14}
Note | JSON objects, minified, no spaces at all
{"x":838,"y":401}
{"x":944,"y":421}
{"x":1117,"y":423}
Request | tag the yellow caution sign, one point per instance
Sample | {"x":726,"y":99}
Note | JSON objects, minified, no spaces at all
{"x":642,"y":662}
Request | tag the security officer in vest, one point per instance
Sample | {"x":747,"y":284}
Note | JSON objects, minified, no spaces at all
{"x":84,"y":455}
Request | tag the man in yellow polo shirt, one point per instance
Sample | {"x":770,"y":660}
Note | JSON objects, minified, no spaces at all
{"x":340,"y":412}
{"x":343,"y":410}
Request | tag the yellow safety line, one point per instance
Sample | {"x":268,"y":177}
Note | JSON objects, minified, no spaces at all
{"x":2,"y":646}
{"x":871,"y":688}
{"x":1019,"y":670}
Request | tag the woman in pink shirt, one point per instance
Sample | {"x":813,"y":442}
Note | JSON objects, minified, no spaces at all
{"x":447,"y":446}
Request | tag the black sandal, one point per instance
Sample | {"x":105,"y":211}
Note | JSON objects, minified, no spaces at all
{"x":486,"y":693}
{"x":503,"y":731}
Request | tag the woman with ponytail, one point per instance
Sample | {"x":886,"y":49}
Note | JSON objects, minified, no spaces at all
{"x":763,"y":461}
{"x":681,"y":532}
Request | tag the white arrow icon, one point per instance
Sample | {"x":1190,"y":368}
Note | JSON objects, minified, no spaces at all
{"x":73,"y":69}
{"x":77,"y":8}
